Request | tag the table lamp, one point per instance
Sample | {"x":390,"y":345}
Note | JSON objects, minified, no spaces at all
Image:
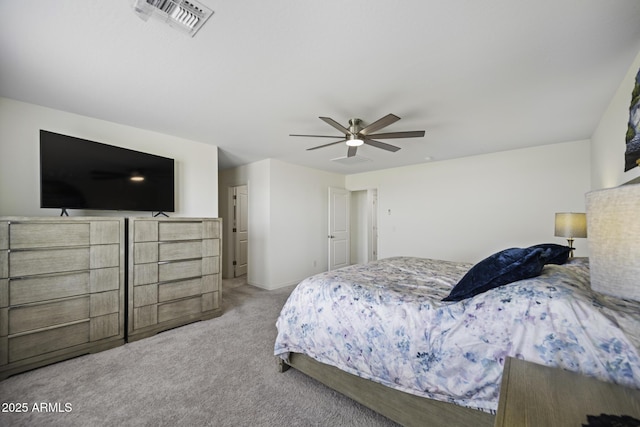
{"x":571,"y":225}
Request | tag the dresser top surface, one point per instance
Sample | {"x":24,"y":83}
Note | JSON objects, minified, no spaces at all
{"x":535,"y":395}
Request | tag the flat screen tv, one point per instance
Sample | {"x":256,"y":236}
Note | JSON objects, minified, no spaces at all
{"x":79,"y":174}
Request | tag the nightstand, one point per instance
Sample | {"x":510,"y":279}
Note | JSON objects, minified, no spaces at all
{"x":536,"y":395}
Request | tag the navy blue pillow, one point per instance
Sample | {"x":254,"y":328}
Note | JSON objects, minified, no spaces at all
{"x":553,"y":253}
{"x":501,"y":268}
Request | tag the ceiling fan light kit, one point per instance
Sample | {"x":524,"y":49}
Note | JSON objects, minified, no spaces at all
{"x":183,"y":15}
{"x":356,"y":135}
{"x":354,"y":141}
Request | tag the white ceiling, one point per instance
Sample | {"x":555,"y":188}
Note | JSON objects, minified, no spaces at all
{"x":478,"y":76}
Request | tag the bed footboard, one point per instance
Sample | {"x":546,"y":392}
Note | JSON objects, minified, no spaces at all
{"x":404,"y":408}
{"x":282,"y":365}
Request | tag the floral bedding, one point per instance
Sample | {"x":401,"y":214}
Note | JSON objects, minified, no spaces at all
{"x":386,"y":321}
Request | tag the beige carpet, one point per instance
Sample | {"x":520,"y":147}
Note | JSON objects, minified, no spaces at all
{"x":220,"y":372}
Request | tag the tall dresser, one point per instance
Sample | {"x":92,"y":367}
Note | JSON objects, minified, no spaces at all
{"x":174,"y":273}
{"x":62,"y":289}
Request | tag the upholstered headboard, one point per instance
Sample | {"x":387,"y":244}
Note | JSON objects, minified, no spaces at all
{"x":613,"y":224}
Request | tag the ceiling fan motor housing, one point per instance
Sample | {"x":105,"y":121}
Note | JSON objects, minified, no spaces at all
{"x":354,"y":126}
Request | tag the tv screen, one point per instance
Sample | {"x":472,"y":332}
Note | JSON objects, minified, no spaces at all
{"x":80,"y":174}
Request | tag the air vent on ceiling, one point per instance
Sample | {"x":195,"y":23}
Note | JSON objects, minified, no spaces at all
{"x":186,"y":16}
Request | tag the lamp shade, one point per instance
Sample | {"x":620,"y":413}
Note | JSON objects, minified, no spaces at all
{"x":571,"y":224}
{"x":613,"y":218}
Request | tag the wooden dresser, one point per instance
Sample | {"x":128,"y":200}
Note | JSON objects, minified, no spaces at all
{"x":62,"y":289}
{"x":174,"y":273}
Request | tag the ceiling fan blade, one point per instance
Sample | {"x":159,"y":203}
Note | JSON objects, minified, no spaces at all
{"x":388,"y":135}
{"x":326,"y":145}
{"x":382,"y":145}
{"x":318,"y":136}
{"x":336,"y":125}
{"x":379,"y":124}
{"x":352,"y":151}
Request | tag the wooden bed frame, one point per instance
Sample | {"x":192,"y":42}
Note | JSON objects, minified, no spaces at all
{"x":403,"y":408}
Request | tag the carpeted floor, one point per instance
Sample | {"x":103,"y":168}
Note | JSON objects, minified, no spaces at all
{"x":220,"y":372}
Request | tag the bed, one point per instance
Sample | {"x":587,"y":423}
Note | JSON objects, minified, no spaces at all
{"x":382,"y":334}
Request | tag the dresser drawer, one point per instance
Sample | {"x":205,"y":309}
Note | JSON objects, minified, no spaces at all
{"x":104,"y":327}
{"x":145,"y":231}
{"x":104,"y":303}
{"x":180,"y":250}
{"x":212,"y":229}
{"x":211,"y":283}
{"x":181,"y":308}
{"x":176,"y":290}
{"x":4,"y":264}
{"x":36,"y":316}
{"x":55,"y":286}
{"x":145,"y":252}
{"x":210,"y":301}
{"x":102,"y":256}
{"x":43,"y":288}
{"x":104,"y":279}
{"x":4,"y":293}
{"x":211,"y":265}
{"x":210,"y":247}
{"x":47,"y":235}
{"x":145,"y":295}
{"x":105,"y":232}
{"x":145,"y":316}
{"x":42,"y":342}
{"x":179,"y":270}
{"x":4,"y":235}
{"x":168,"y":231}
{"x":26,"y":263}
{"x":144,"y":274}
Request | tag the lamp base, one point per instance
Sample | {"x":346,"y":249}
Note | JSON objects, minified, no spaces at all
{"x":570,"y":240}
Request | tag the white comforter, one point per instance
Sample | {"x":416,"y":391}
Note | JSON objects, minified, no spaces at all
{"x":385,"y":321}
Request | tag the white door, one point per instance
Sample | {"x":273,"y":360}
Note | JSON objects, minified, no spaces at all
{"x":240,"y":230}
{"x":339,"y":239}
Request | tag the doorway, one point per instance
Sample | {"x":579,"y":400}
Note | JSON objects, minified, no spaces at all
{"x":364,"y":226}
{"x":240,"y":228}
{"x":339,"y":228}
{"x":353,"y":227}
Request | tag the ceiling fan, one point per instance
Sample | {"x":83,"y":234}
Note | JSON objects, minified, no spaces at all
{"x":356,"y":135}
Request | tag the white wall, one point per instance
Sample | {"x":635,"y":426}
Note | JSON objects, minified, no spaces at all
{"x":20,"y":124}
{"x":608,"y":141}
{"x":465,"y":209}
{"x":299,"y":217}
